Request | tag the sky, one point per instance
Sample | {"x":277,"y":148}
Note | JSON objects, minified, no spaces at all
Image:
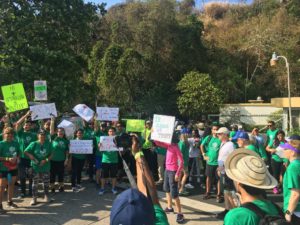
{"x":198,"y":2}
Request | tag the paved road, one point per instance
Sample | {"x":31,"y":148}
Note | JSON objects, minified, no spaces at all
{"x":86,"y":207}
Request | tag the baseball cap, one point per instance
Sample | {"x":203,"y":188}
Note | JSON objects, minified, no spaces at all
{"x":223,"y":130}
{"x":243,"y":135}
{"x":294,"y":137}
{"x":132,"y":207}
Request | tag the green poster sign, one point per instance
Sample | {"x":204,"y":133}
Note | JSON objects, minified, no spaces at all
{"x":135,"y":125}
{"x":14,"y":97}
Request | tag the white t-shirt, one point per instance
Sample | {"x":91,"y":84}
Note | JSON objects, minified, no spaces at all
{"x":225,"y":150}
{"x":194,"y":152}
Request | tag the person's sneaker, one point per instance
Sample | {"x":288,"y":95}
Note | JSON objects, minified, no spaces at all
{"x":206,"y":196}
{"x":78,"y":186}
{"x":33,"y":201}
{"x":159,"y":182}
{"x":180,"y":218}
{"x":275,"y":190}
{"x":22,"y":195}
{"x":114,"y":191}
{"x":189,"y":186}
{"x":222,"y":214}
{"x":12,"y":205}
{"x":101,"y":192}
{"x":219,"y":199}
{"x":184,"y":193}
{"x":61,"y":189}
{"x":75,"y":189}
{"x":168,"y":210}
{"x":47,"y":199}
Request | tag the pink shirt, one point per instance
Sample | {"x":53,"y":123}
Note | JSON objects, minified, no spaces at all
{"x":173,"y":156}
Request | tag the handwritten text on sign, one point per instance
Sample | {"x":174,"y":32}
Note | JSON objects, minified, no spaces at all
{"x":14,"y":97}
{"x":81,"y":146}
{"x":107,"y":144}
{"x":163,"y":127}
{"x":107,"y":114}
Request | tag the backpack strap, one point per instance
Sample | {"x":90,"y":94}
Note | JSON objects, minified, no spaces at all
{"x":254,"y":208}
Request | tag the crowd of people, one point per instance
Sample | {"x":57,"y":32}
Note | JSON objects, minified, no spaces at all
{"x":228,"y":163}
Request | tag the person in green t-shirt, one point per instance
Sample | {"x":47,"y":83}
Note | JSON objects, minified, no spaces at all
{"x":210,"y":147}
{"x":183,"y":145}
{"x":277,"y":163}
{"x":60,"y":155}
{"x":25,"y":137}
{"x":109,"y":166}
{"x":40,"y":153}
{"x":9,"y":154}
{"x":77,"y":164}
{"x":251,"y":178}
{"x":291,"y":182}
{"x":271,"y":132}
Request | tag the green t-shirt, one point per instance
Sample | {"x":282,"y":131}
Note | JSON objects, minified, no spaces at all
{"x":161,"y":151}
{"x":275,"y":156}
{"x":98,"y":134}
{"x":271,"y":134}
{"x":160,"y":216}
{"x":88,"y":133}
{"x":24,"y":139}
{"x":291,"y":180}
{"x":254,"y":149}
{"x":60,"y":146}
{"x":243,"y":216}
{"x":212,"y":149}
{"x":232,"y":133}
{"x":8,"y":149}
{"x":40,"y":152}
{"x":184,"y":148}
{"x":110,"y":157}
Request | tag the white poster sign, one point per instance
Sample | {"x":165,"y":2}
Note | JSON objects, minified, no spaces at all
{"x":84,"y":112}
{"x":81,"y":146}
{"x":107,"y":144}
{"x":69,"y":128}
{"x":107,"y":114}
{"x":40,"y":90}
{"x":44,"y":111}
{"x":163,"y":128}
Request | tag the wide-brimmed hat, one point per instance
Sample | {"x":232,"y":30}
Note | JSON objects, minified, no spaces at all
{"x":247,"y":167}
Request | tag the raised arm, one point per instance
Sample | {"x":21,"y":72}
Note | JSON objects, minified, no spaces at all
{"x":20,"y":122}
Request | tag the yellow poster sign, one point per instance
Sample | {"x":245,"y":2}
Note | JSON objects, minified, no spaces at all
{"x":14,"y":97}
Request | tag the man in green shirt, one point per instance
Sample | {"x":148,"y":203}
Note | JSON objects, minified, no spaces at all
{"x":251,"y":178}
{"x":271,"y":132}
{"x":210,"y":147}
{"x":109,"y":166}
{"x":25,"y":137}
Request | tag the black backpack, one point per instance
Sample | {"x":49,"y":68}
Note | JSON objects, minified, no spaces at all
{"x":267,"y":219}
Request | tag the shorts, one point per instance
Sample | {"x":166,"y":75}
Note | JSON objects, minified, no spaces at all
{"x":109,"y":170}
{"x":3,"y":174}
{"x":211,"y":171}
{"x":98,"y":163}
{"x":226,"y":183}
{"x":170,"y":185}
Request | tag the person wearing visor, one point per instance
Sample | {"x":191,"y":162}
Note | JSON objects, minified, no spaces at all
{"x":291,"y":182}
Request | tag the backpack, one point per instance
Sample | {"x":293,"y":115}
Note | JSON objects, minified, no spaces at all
{"x":267,"y":219}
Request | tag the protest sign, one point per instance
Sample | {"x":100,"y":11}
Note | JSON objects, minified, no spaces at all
{"x":107,"y":114}
{"x":107,"y":144}
{"x":69,"y":128}
{"x":135,"y":125}
{"x":40,"y":90}
{"x":14,"y":97}
{"x":84,"y":112}
{"x":44,"y":111}
{"x":163,"y":128}
{"x":81,"y":146}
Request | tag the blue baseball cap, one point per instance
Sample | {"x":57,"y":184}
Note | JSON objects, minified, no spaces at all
{"x":132,"y":207}
{"x":243,"y":135}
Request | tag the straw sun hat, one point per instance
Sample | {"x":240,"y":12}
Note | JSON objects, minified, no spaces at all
{"x":247,"y":167}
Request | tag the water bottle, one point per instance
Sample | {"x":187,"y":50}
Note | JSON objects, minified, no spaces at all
{"x":9,"y":178}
